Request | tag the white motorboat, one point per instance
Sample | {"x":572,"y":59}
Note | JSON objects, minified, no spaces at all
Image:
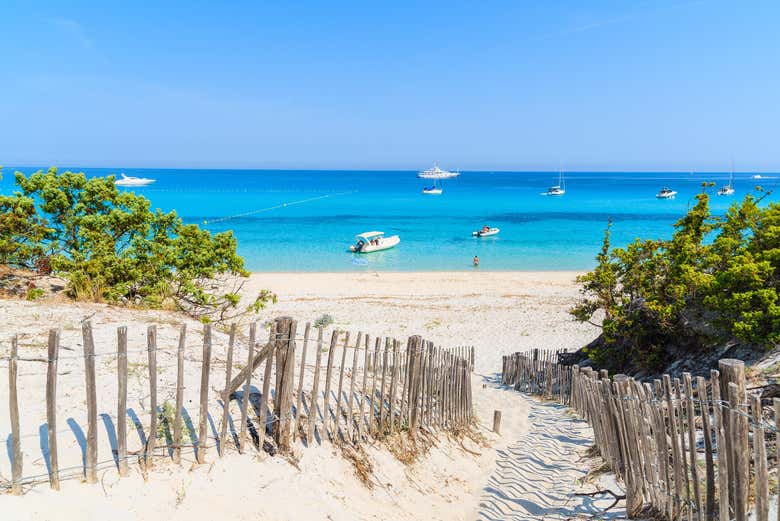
{"x":558,"y":189}
{"x":757,"y":176}
{"x":435,"y":189}
{"x":666,"y":193}
{"x":127,"y":180}
{"x":437,"y":173}
{"x":729,"y":188}
{"x":485,"y":232}
{"x":369,"y":242}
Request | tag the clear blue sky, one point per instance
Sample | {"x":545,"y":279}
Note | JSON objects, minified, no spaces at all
{"x":656,"y":85}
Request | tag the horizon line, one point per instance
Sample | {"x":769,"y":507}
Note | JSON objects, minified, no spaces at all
{"x":354,"y":169}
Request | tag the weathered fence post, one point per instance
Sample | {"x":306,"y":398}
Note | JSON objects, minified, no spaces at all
{"x":121,"y":413}
{"x":177,"y":418}
{"x":759,"y":457}
{"x":89,"y":372}
{"x":315,"y":390}
{"x":382,"y":391}
{"x":266,"y":391}
{"x":226,"y":395}
{"x":247,"y":391}
{"x":733,"y":371}
{"x":204,"y":395}
{"x":334,"y":337}
{"x":361,"y":421}
{"x":151,"y":351}
{"x":497,"y":422}
{"x":299,"y":392}
{"x":701,"y":388}
{"x":16,"y":446}
{"x":287,"y":327}
{"x":51,"y":407}
{"x":355,"y":358}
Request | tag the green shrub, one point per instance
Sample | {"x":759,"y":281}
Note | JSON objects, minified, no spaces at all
{"x":715,"y":280}
{"x":111,"y":246}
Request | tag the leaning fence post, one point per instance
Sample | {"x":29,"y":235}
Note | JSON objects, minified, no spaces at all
{"x":16,"y":447}
{"x":89,"y":371}
{"x":204,"y":395}
{"x":51,"y":407}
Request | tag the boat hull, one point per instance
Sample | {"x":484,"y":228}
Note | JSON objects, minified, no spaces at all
{"x":436,"y":191}
{"x":133,"y":183}
{"x":489,"y":233}
{"x":386,"y":244}
{"x":666,"y":196}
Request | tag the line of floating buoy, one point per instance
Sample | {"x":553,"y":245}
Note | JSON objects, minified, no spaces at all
{"x":276,"y":207}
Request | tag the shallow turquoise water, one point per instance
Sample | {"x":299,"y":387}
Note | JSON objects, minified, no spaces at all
{"x":329,"y":207}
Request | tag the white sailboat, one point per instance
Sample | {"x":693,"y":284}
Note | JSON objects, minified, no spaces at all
{"x":558,"y":189}
{"x":729,"y":188}
{"x":435,"y":189}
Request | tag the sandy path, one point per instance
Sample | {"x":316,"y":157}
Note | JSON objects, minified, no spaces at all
{"x":536,"y":475}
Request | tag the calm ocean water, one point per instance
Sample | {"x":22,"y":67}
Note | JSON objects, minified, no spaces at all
{"x":305,"y":220}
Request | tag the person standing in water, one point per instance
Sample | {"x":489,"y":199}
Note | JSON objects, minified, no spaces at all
{"x":476,"y":261}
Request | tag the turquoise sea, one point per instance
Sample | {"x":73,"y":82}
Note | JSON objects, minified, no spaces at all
{"x":305,"y":220}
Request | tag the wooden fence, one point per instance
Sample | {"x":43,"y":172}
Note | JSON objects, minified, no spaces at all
{"x":383,"y":387}
{"x":685,"y":448}
{"x":538,"y":372}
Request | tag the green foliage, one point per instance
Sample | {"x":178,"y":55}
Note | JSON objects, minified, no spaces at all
{"x":323,"y":321}
{"x":111,"y":246}
{"x":34,"y":293}
{"x":716,"y":279}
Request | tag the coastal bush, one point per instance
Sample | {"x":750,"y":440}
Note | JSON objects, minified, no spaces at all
{"x":715,"y":282}
{"x":111,"y":246}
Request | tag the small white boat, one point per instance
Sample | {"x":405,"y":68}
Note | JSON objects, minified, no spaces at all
{"x":127,"y":180}
{"x":757,"y":176}
{"x":437,"y":173}
{"x":558,"y":189}
{"x":485,"y":232}
{"x":435,"y":189}
{"x":368,"y":242}
{"x":729,"y":188}
{"x":666,"y":193}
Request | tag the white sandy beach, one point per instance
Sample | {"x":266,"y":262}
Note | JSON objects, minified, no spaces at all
{"x":497,"y":312}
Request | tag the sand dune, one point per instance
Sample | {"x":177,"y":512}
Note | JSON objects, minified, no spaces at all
{"x":496,"y":312}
